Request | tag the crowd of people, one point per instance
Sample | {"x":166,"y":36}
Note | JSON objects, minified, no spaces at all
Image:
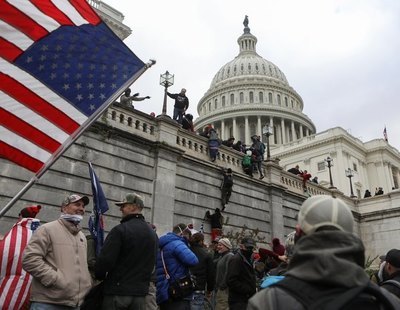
{"x":321,"y":263}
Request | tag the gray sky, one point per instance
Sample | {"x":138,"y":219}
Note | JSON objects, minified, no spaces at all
{"x":341,"y":56}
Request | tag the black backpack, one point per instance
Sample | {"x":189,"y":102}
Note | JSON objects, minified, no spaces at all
{"x":228,"y":180}
{"x":318,"y":297}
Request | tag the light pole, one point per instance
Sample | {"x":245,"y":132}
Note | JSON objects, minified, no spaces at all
{"x":329,"y":161}
{"x":166,"y":80}
{"x":267,"y":131}
{"x":350,"y":174}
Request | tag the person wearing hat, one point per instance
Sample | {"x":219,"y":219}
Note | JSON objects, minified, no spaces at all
{"x":391,"y":272}
{"x":127,"y":258}
{"x":11,"y":249}
{"x":224,"y":247}
{"x":56,"y":257}
{"x":327,"y":266}
{"x":241,"y":277}
{"x":258,"y":149}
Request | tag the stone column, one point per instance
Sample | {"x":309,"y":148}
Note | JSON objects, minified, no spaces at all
{"x":259,"y":129}
{"x":246,"y":130}
{"x":234,"y":131}
{"x":301,"y":131}
{"x":307,"y":132}
{"x":223,"y":130}
{"x":271,"y":124}
{"x":283,"y":131}
{"x":293,"y":131}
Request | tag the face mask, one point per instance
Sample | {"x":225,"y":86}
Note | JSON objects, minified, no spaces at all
{"x":74,"y":218}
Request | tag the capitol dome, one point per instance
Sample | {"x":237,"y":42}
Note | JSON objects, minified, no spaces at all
{"x":250,"y":92}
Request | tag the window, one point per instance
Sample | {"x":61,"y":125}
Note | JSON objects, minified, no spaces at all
{"x":209,"y":106}
{"x":223,"y":101}
{"x":241,"y":97}
{"x":291,"y":101}
{"x":216,"y":104}
{"x":261,"y":97}
{"x":279,"y":100}
{"x":286,"y":102}
{"x":321,"y":166}
{"x":232,"y":99}
{"x":251,"y":97}
{"x":354,"y":166}
{"x":270,"y":97}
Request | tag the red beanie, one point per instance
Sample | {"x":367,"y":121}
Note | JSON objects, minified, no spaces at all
{"x":30,"y":211}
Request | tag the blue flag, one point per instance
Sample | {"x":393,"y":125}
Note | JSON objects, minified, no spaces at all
{"x":100,"y":206}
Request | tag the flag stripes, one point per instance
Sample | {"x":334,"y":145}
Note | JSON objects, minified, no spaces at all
{"x":59,"y":66}
{"x":14,"y":281}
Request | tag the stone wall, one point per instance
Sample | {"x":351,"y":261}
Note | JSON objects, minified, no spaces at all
{"x":170,"y":168}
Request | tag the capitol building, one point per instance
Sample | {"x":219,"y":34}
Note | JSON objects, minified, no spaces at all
{"x":250,"y":92}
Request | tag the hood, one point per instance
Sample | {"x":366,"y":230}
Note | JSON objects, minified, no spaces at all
{"x":169,"y":237}
{"x":334,"y":258}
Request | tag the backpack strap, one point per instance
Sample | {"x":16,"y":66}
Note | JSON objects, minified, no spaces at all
{"x":391,"y":282}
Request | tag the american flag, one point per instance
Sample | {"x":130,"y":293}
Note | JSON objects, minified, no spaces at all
{"x":15,"y":283}
{"x":100,"y":206}
{"x":60,"y":67}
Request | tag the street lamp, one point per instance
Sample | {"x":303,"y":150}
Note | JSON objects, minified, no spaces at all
{"x":166,"y":80}
{"x":267,"y":131}
{"x":350,"y":174}
{"x":329,"y":161}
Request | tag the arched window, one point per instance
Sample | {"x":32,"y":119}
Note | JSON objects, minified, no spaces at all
{"x":261,"y":97}
{"x":209,"y":106}
{"x":270,"y":97}
{"x":241,"y":97}
{"x":223,"y":101}
{"x":215,"y":104}
{"x":286,"y":102}
{"x":279,"y":99}
{"x":291,"y":102}
{"x":251,"y":97}
{"x":232,"y":99}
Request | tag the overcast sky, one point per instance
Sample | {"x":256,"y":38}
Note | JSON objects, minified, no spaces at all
{"x":342,"y":57}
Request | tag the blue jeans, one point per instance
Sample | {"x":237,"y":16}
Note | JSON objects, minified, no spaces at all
{"x":178,"y":115}
{"x":45,"y":306}
{"x":197,"y":302}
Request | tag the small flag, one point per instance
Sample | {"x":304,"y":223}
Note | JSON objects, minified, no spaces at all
{"x":60,"y":67}
{"x":15,"y":283}
{"x":100,"y":206}
{"x":385,"y":134}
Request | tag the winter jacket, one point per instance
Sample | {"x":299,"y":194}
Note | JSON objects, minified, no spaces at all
{"x":392,"y":287}
{"x":222,"y":270}
{"x":181,"y":101}
{"x":241,"y":279}
{"x":127,"y":258}
{"x":56,"y":258}
{"x":333,"y":259}
{"x":203,"y":273}
{"x":216,"y":219}
{"x":177,"y":257}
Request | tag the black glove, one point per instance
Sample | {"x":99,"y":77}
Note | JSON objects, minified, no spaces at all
{"x":147,"y":97}
{"x":135,"y":95}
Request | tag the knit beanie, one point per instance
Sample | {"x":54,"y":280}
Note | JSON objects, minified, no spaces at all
{"x":30,"y":211}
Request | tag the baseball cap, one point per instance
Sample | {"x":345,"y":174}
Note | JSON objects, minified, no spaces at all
{"x":74,"y":198}
{"x":225,"y":242}
{"x":393,"y":258}
{"x":323,"y":210}
{"x":248,"y":242}
{"x":131,"y":198}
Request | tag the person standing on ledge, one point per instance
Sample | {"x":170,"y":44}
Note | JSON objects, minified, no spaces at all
{"x":181,"y":105}
{"x":126,"y":99}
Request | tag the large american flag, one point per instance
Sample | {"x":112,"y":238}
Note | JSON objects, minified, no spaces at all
{"x":60,"y":67}
{"x":15,"y":283}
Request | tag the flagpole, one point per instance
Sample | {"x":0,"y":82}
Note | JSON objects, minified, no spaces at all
{"x":75,"y":136}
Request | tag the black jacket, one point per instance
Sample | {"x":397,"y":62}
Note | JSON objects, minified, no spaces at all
{"x":203,"y":272}
{"x":128,"y":257}
{"x":241,"y":279}
{"x":181,"y":101}
{"x":393,"y":287}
